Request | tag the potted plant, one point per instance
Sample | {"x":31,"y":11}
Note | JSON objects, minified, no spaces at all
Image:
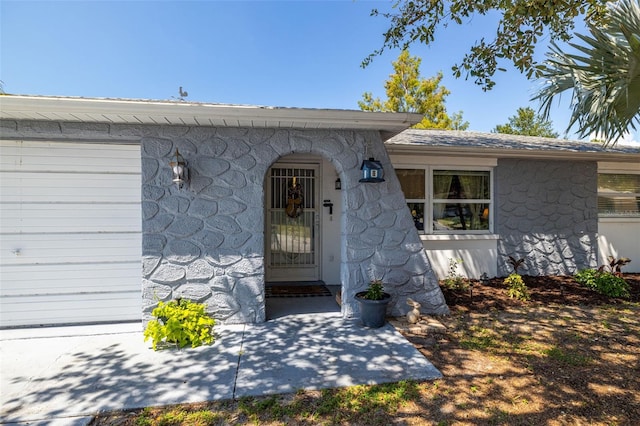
{"x":373,"y":304}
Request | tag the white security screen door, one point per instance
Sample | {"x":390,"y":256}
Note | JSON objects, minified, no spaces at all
{"x":292,"y":223}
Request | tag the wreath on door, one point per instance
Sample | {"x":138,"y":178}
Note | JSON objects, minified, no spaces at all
{"x":294,"y":199}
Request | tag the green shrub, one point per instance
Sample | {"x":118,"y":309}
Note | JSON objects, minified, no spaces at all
{"x":613,"y":286}
{"x":179,"y":322}
{"x":455,"y":281}
{"x":375,"y":291}
{"x":517,"y":287}
{"x":587,"y":277}
{"x":603,"y":282}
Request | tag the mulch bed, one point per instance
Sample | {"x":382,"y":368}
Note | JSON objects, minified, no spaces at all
{"x":545,"y":290}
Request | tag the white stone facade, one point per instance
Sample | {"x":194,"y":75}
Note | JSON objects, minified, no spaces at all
{"x":206,"y":242}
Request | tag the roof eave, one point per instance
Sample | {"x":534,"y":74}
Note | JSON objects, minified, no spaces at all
{"x":43,"y":108}
{"x":399,"y":149}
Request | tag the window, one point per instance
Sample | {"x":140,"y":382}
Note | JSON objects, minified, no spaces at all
{"x":457,"y":201}
{"x":413,"y":182}
{"x":618,"y":195}
{"x":461,"y":200}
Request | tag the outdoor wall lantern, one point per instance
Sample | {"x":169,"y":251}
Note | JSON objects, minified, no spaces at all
{"x":338,"y":184}
{"x":179,"y":170}
{"x":372,"y":171}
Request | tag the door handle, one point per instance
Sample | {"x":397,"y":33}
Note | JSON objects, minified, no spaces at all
{"x":328,"y":203}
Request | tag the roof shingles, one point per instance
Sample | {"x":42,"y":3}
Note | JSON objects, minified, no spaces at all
{"x":500,"y":141}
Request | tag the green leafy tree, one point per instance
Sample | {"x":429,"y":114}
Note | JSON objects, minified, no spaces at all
{"x":526,"y":122}
{"x":604,"y":75}
{"x":521,"y":25}
{"x":457,"y":122}
{"x":407,"y":92}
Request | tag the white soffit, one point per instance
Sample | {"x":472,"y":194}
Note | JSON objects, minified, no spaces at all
{"x":124,"y":111}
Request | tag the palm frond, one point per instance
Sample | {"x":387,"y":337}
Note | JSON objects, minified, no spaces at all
{"x":603,"y":74}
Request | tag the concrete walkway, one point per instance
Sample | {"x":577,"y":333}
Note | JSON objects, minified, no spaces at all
{"x":62,"y":376}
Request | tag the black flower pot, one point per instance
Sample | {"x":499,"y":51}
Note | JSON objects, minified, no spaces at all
{"x":373,"y":312}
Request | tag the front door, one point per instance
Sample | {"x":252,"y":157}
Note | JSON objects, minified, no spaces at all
{"x":292,"y":234}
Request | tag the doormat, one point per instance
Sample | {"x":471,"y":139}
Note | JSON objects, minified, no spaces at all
{"x":297,"y":291}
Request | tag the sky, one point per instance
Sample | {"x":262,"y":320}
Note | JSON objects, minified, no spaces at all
{"x":295,"y":53}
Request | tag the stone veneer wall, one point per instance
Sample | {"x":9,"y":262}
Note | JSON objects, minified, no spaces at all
{"x":546,"y":212}
{"x":206,"y":242}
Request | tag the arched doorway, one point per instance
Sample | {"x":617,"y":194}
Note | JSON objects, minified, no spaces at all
{"x":300,"y":227}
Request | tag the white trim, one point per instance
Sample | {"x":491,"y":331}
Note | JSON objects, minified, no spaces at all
{"x":609,"y":167}
{"x":618,"y":219}
{"x":478,"y":255}
{"x":458,"y":237}
{"x":426,"y":159}
{"x":429,"y":199}
{"x":126,"y":111}
{"x":477,"y":152}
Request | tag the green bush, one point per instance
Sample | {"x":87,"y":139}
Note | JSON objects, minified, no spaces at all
{"x":603,"y":282}
{"x":179,"y":322}
{"x":613,"y":286}
{"x":454,"y":280}
{"x":588,"y":278}
{"x":517,"y":287}
{"x":375,"y":291}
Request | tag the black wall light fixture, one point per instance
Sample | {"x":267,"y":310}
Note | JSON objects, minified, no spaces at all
{"x":372,"y":171}
{"x":338,"y":185}
{"x":179,"y":170}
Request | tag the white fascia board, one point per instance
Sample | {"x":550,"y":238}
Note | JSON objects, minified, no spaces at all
{"x":613,"y":167}
{"x":468,"y":151}
{"x":152,"y":112}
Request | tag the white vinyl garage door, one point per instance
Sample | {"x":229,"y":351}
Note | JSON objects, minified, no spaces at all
{"x":70,"y":233}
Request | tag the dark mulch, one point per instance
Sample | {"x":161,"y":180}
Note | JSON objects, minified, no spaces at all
{"x":545,"y":290}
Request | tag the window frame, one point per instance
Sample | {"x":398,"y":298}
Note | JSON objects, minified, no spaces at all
{"x":612,"y":215}
{"x":429,"y":200}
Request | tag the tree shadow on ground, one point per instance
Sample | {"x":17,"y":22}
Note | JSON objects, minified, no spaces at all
{"x":88,"y":374}
{"x":537,"y":363}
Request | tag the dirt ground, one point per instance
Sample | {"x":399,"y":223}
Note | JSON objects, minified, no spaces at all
{"x":546,"y":290}
{"x":567,"y":357}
